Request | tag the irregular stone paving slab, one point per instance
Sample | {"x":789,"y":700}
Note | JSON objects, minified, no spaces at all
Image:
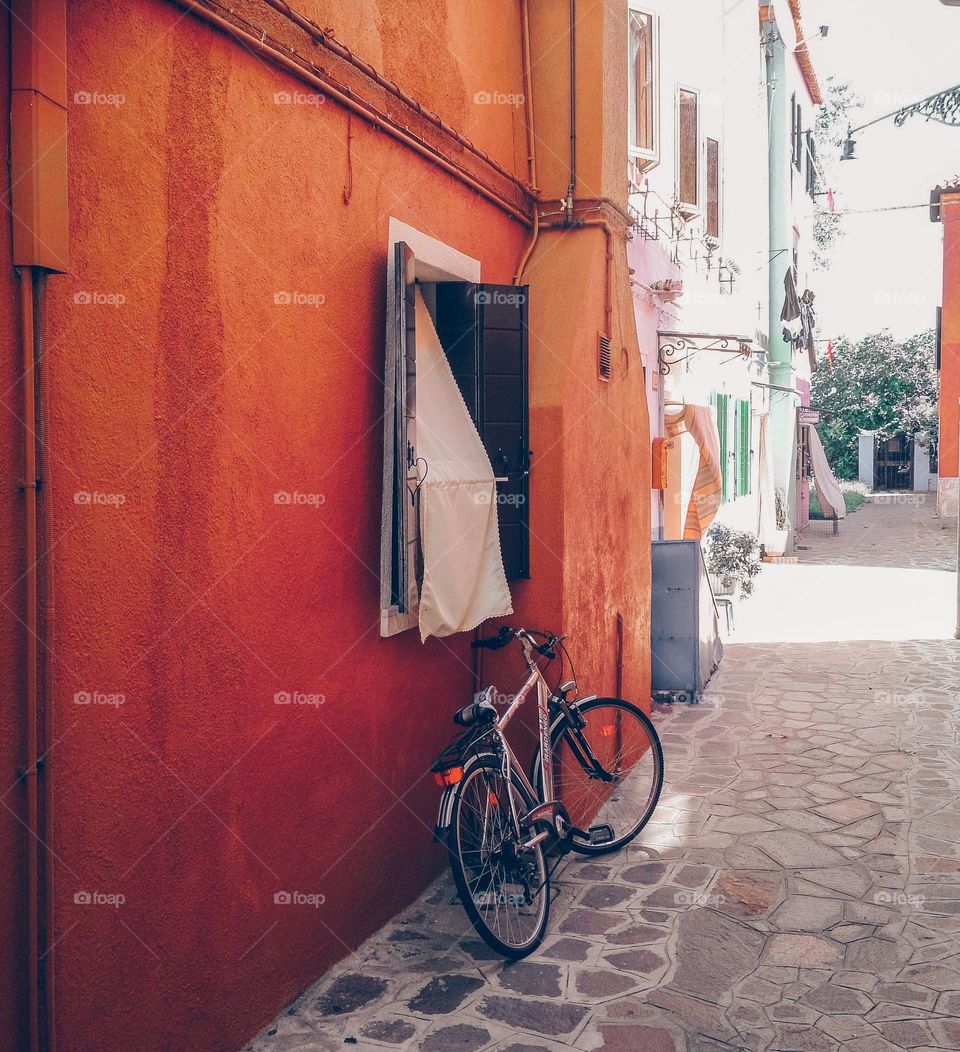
{"x":797,"y":889}
{"x":444,"y":994}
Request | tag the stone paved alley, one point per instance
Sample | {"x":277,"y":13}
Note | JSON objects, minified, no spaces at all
{"x":799,"y":887}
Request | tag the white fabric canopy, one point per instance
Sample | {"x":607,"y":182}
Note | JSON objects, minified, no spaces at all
{"x":463,"y":578}
{"x":700,"y":481}
{"x":828,"y":490}
{"x":767,"y":531}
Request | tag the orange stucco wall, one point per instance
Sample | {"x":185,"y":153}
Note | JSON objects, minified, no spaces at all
{"x":950,"y":339}
{"x":184,"y":397}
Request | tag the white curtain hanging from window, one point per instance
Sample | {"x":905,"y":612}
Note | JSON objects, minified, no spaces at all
{"x":463,"y":577}
{"x":767,"y":531}
{"x":701,"y":482}
{"x":828,"y":489}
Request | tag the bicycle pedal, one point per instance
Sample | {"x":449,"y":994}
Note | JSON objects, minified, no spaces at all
{"x":600,"y":834}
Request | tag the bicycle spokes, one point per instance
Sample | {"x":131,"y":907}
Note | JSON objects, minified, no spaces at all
{"x":502,"y":880}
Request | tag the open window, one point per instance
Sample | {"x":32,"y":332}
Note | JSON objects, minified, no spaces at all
{"x":643,"y":98}
{"x":688,"y":151}
{"x":482,"y":329}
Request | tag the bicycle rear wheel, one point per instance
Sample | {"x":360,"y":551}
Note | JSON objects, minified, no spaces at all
{"x":624,"y":741}
{"x":504,"y":889}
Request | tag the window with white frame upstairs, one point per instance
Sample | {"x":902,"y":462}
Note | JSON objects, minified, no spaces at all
{"x":643,"y":88}
{"x":688,"y":150}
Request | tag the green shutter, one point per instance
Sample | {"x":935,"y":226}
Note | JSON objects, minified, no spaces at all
{"x":745,"y":481}
{"x":723,"y":431}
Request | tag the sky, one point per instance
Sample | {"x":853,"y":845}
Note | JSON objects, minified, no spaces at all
{"x":886,"y":271}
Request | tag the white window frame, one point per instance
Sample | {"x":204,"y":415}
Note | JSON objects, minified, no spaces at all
{"x":435,"y":261}
{"x":689,"y":209}
{"x":646,"y":159}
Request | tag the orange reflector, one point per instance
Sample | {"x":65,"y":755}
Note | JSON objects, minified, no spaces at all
{"x":607,"y":732}
{"x":450,"y":776}
{"x":492,"y":797}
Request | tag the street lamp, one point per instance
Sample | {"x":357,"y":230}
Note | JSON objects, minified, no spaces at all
{"x":822,"y":32}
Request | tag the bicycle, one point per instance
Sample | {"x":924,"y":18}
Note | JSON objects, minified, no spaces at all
{"x":500,"y":823}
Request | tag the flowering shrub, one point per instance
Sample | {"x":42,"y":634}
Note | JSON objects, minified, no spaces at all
{"x":732,"y":556}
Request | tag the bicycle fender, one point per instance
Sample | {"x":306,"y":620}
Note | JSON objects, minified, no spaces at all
{"x":445,"y":813}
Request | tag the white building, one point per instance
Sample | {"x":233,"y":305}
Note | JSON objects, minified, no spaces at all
{"x":723,"y":173}
{"x":699,"y":172}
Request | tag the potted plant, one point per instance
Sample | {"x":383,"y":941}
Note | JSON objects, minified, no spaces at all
{"x":777,"y":544}
{"x":732,"y":558}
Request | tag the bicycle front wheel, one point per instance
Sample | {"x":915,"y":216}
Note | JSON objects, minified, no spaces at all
{"x":623,"y":740}
{"x":504,"y":888}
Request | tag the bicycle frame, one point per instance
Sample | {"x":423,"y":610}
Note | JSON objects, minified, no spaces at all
{"x":547,"y":809}
{"x":534,"y":679}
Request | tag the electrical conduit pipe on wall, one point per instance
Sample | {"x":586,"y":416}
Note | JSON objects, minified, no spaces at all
{"x":262,"y":43}
{"x":531,"y":137}
{"x":326,"y":37}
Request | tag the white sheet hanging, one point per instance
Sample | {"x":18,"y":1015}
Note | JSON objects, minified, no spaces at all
{"x":463,"y":578}
{"x":701,"y":484}
{"x":828,"y":490}
{"x":767,"y":531}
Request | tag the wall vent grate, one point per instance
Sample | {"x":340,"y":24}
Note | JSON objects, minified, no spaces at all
{"x":604,"y":363}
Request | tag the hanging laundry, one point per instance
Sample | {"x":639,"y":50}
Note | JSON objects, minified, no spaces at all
{"x":790,"y":312}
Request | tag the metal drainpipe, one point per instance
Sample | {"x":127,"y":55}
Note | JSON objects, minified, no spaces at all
{"x":28,"y":486}
{"x":41,"y":245}
{"x":531,"y":137}
{"x":46,"y":638}
{"x":619,"y":684}
{"x":572,"y":185}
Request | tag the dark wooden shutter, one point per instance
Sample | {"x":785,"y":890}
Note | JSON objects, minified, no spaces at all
{"x":504,"y":402}
{"x":402,"y":359}
{"x":688,"y":119}
{"x":797,"y":135}
{"x":483,"y":330}
{"x":811,"y":150}
{"x":456,"y":322}
{"x":713,"y":188}
{"x":793,"y":128}
{"x":939,"y":350}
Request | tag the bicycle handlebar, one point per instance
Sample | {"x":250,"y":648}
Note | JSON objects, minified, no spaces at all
{"x":496,"y":642}
{"x":506,"y":634}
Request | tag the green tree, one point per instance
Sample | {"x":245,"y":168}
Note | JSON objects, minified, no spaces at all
{"x":829,"y":132}
{"x":876,"y":384}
